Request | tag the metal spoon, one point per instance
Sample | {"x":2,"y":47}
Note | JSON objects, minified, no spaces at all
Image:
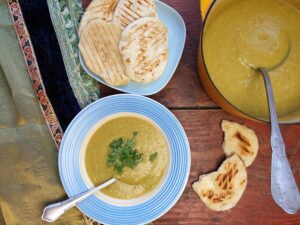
{"x":54,"y":211}
{"x":283,"y":185}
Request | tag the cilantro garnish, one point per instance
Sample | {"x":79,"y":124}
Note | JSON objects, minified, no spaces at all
{"x":122,"y":153}
{"x":153,"y":156}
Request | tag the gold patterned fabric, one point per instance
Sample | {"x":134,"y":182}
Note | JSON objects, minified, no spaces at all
{"x":28,"y":157}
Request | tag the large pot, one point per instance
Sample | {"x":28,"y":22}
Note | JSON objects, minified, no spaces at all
{"x":206,"y":7}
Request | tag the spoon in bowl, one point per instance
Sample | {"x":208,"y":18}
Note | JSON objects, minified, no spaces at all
{"x":54,"y":211}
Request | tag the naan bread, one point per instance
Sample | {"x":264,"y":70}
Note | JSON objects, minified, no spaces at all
{"x":99,"y":48}
{"x":98,"y":9}
{"x":221,"y":190}
{"x":144,"y":49}
{"x":241,"y":140}
{"x":127,"y":11}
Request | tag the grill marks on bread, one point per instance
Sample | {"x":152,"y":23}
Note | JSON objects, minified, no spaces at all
{"x":98,"y":9}
{"x":99,"y":48}
{"x":241,"y":140}
{"x":128,"y":11}
{"x":221,"y":190}
{"x":224,"y":180}
{"x":144,"y":49}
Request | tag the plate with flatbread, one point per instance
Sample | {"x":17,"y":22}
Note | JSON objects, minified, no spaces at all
{"x":116,"y":50}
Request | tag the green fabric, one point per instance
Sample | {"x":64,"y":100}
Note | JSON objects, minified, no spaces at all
{"x":28,"y":162}
{"x":65,"y":15}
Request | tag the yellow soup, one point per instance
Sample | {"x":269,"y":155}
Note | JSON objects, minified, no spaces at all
{"x":132,"y":182}
{"x":242,"y":35}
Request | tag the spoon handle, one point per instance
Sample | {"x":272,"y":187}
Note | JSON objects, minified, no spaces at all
{"x":283,"y":185}
{"x":54,"y":211}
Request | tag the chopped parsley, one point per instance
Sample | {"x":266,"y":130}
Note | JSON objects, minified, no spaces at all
{"x":153,"y":156}
{"x":122,"y":153}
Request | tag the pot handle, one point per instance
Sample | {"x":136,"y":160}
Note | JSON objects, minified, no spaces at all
{"x":204,"y":6}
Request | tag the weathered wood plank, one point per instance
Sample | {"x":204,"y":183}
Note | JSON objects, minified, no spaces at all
{"x":256,"y":206}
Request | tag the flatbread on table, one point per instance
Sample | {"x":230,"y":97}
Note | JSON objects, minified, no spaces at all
{"x":241,"y":140}
{"x":99,"y":48}
{"x":98,"y":9}
{"x":222,"y":190}
{"x":127,"y":11}
{"x":144,"y":49}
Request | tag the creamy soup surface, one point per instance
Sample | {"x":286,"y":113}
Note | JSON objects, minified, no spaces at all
{"x":247,"y":34}
{"x":132,"y":182}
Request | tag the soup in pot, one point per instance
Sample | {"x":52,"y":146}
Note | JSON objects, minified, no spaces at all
{"x":246,"y":34}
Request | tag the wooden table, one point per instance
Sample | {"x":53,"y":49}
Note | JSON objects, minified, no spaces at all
{"x":201,"y":119}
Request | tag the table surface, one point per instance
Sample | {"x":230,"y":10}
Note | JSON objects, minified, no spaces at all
{"x":201,"y":118}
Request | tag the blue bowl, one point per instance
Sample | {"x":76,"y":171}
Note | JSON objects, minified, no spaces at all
{"x":177,"y":35}
{"x":156,"y":205}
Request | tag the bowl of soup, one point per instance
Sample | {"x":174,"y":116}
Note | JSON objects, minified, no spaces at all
{"x":241,"y":35}
{"x":135,"y":184}
{"x":131,"y":138}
